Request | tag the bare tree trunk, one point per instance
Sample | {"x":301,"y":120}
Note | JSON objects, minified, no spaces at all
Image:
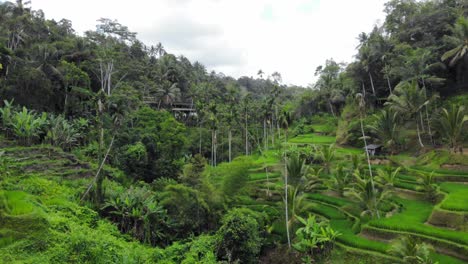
{"x":246,"y":136}
{"x":331,"y":108}
{"x":419,"y":134}
{"x":372,"y":83}
{"x":286,"y":201}
{"x":96,"y":177}
{"x":368,"y":162}
{"x":65,"y":103}
{"x":212,"y":147}
{"x":200,"y":139}
{"x":389,"y":85}
{"x":265,"y":137}
{"x":429,"y":126}
{"x":422,"y":122}
{"x":427,"y":116}
{"x":230,"y":140}
{"x":215,"y":148}
{"x":272,"y":133}
{"x":268,"y":181}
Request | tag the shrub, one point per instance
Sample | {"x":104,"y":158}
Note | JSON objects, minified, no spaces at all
{"x":239,"y":237}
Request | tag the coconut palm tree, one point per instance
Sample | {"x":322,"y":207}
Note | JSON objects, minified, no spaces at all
{"x":362,"y":110}
{"x":429,"y":187}
{"x":450,"y":125}
{"x":296,"y":170}
{"x":327,"y":156}
{"x":408,"y":99}
{"x":385,"y":129}
{"x":311,"y":179}
{"x":460,"y":39}
{"x":368,"y":197}
{"x":387,"y":177}
{"x":168,"y":92}
{"x":339,"y":180}
{"x":408,"y":249}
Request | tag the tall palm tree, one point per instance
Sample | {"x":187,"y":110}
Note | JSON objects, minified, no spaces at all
{"x":460,"y":39}
{"x":408,"y":99}
{"x":246,"y":102}
{"x":160,"y":51}
{"x":362,"y":111}
{"x":450,"y":125}
{"x":168,"y":93}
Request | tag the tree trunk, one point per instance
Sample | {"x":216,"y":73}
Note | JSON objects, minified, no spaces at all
{"x":268,"y":181}
{"x":331,"y":108}
{"x":200,"y":139}
{"x":246,"y":136}
{"x":372,"y":83}
{"x":265,"y":138}
{"x":212,"y":148}
{"x":389,"y":85}
{"x":429,"y":126}
{"x":286,"y":201}
{"x":368,"y":162}
{"x":215,"y":148}
{"x":422,"y":122}
{"x":65,"y":103}
{"x":272,"y":133}
{"x":419,"y":135}
{"x":230,"y":140}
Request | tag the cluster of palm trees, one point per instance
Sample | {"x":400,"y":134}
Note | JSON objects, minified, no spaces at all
{"x":408,"y":104}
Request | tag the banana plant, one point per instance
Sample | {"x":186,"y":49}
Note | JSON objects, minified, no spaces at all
{"x":27,"y":125}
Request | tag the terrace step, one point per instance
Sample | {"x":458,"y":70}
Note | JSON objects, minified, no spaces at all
{"x":442,"y":246}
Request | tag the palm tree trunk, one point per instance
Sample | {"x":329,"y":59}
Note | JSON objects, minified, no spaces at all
{"x":65,"y":103}
{"x":268,"y":180}
{"x":272,"y":133}
{"x":215,"y":147}
{"x":422,"y":122}
{"x":286,"y":201}
{"x":419,"y":134}
{"x":372,"y":83}
{"x":265,"y":139}
{"x":246,"y":136}
{"x":230,"y":140}
{"x":389,"y":85}
{"x":427,"y":115}
{"x":212,"y":147}
{"x":429,"y":126}
{"x":200,"y":139}
{"x":331,"y":108}
{"x":368,"y":162}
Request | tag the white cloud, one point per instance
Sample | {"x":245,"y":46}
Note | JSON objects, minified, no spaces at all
{"x":237,"y":37}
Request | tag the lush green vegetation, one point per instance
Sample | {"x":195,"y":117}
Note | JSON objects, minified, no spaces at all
{"x":115,"y":152}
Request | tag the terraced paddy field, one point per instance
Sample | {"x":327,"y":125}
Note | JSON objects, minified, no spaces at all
{"x":312,"y":139}
{"x":412,"y":215}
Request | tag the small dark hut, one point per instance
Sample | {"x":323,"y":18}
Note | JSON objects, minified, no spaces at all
{"x":373,"y":149}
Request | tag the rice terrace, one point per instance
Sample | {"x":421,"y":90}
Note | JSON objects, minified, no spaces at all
{"x":117,"y":149}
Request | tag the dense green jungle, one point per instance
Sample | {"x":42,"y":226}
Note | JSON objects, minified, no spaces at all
{"x":112,"y":151}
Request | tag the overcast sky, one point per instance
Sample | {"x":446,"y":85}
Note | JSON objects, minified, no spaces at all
{"x":237,"y":37}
